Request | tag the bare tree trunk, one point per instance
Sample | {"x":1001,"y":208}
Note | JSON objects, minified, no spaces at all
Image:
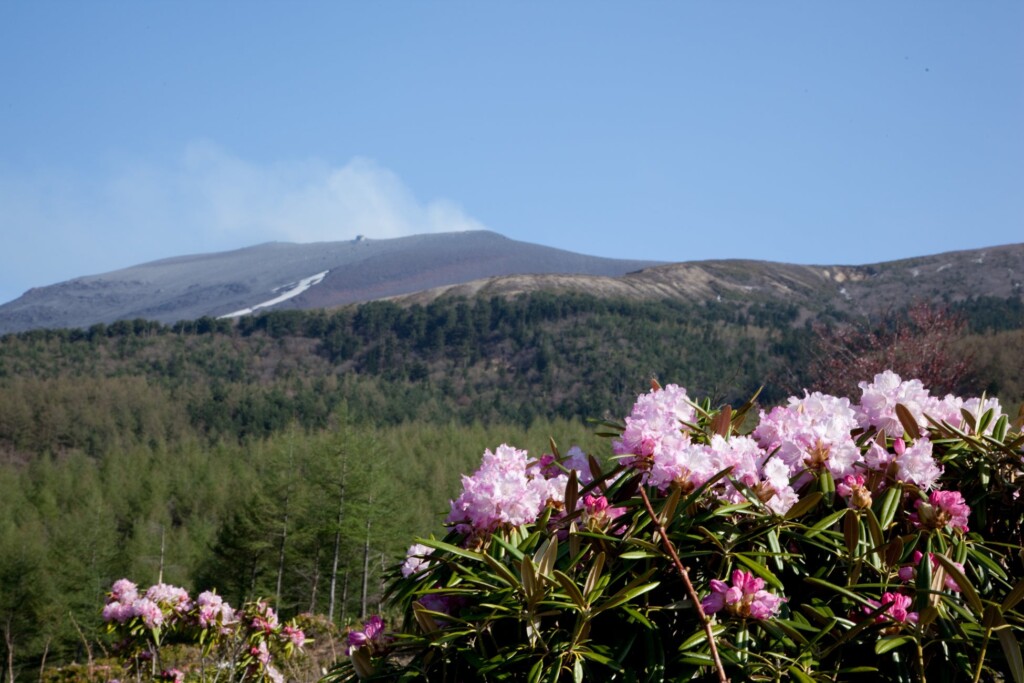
{"x":344,"y":597}
{"x":9,"y":641}
{"x":316,"y":579}
{"x":42,"y":663}
{"x":280,"y":553}
{"x":160,"y":573}
{"x":366,"y":559}
{"x":337,"y":538}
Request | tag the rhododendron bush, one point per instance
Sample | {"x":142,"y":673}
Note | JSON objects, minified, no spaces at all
{"x":826,"y":539}
{"x":247,"y":644}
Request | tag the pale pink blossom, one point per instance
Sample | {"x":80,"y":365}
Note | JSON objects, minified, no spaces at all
{"x":170,"y":597}
{"x":810,"y":434}
{"x":296,"y":635}
{"x":507,"y":490}
{"x":655,"y":429}
{"x":416,"y":559}
{"x":149,"y":612}
{"x":917,"y":466}
{"x":124,"y":591}
{"x":877,"y":407}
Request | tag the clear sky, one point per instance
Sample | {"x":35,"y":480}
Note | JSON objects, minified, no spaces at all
{"x":806,"y":132}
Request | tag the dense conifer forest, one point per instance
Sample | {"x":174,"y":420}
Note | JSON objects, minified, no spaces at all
{"x":293,"y":455}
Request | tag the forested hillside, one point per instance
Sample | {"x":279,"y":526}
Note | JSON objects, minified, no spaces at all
{"x":292,"y":454}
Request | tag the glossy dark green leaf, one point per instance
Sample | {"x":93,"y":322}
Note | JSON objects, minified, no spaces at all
{"x":890,"y":505}
{"x":886,"y":643}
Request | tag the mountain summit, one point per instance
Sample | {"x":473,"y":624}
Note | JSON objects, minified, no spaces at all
{"x":285,"y":275}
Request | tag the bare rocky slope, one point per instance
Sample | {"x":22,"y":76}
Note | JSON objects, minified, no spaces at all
{"x":875,"y":288}
{"x":423,"y":267}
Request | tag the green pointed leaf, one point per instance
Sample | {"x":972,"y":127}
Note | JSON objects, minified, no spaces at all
{"x":571,"y":589}
{"x":886,"y":643}
{"x":1013,"y":597}
{"x":851,"y":531}
{"x":824,"y":524}
{"x":890,"y":505}
{"x":1011,"y":649}
{"x":910,"y":425}
{"x":503,"y":572}
{"x":799,"y":675}
{"x":594,"y":576}
{"x":966,"y":587}
{"x":546,"y":556}
{"x":804,"y":505}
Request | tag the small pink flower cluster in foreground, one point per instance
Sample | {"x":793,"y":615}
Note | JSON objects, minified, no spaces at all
{"x":164,"y":608}
{"x":746,"y":597}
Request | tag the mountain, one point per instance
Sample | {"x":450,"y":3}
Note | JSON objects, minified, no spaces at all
{"x":304,"y":276}
{"x":422,"y":268}
{"x":868,"y":289}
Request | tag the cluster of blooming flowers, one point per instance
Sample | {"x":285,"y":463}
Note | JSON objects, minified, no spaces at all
{"x":160,"y":603}
{"x":789,"y":446}
{"x":370,"y":635}
{"x":510,"y":489}
{"x":897,"y":609}
{"x":746,"y":597}
{"x":164,"y":607}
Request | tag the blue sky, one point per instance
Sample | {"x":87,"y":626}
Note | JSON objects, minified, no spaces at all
{"x":806,"y":132}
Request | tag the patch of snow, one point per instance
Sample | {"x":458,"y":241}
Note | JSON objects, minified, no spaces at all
{"x":981,"y":258}
{"x":290,"y":291}
{"x":846,"y":295}
{"x":915,"y":271}
{"x":943,"y":267}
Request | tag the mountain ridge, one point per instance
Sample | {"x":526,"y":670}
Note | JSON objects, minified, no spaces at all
{"x":421,"y":268}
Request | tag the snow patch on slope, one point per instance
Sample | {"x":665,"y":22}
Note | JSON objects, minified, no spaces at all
{"x":290,"y":291}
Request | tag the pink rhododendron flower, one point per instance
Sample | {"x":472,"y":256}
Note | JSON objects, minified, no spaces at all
{"x":213,"y":610}
{"x":896,"y":610}
{"x":170,"y":597}
{"x":265,"y":618}
{"x":508,"y":489}
{"x":416,"y":559}
{"x":944,"y":508}
{"x":149,"y":612}
{"x":909,"y":572}
{"x":655,"y":428}
{"x":371,"y":636}
{"x":124,"y":591}
{"x":598,"y":513}
{"x":296,"y":635}
{"x":810,"y":434}
{"x":745,"y":598}
{"x":879,"y":398}
{"x":916,"y":465}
